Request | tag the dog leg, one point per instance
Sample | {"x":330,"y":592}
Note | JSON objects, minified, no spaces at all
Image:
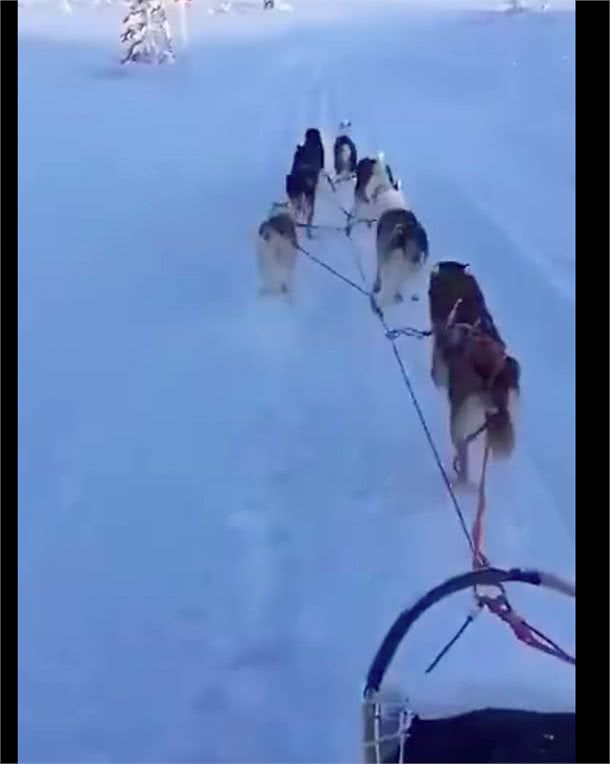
{"x":264,"y":257}
{"x":286,"y":256}
{"x":355,"y":215}
{"x":310,"y":214}
{"x":288,"y":294}
{"x":377,"y":284}
{"x":460,"y":463}
{"x":439,"y":371}
{"x":391,"y":274}
{"x":375,"y":306}
{"x":287,"y":285}
{"x":467,"y":417}
{"x":461,"y":480}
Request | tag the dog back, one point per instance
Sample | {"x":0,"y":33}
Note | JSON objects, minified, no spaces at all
{"x":364,"y":172}
{"x":314,"y":149}
{"x":301,"y":182}
{"x":400,"y":229}
{"x":306,"y":166}
{"x":299,"y":159}
{"x":450,"y":283}
{"x":283,"y":225}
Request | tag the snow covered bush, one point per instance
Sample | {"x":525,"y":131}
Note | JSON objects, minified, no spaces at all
{"x":147,"y":35}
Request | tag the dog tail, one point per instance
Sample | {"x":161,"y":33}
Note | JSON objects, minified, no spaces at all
{"x":414,"y":252}
{"x":500,"y":427}
{"x":422,"y":241}
{"x":264,"y":231}
{"x":501,"y":433}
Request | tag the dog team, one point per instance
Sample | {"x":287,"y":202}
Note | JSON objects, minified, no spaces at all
{"x":469,"y":359}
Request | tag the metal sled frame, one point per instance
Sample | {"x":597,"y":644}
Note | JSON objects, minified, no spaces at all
{"x":377,"y":745}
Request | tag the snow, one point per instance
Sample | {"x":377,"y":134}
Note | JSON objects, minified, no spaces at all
{"x":224,"y":502}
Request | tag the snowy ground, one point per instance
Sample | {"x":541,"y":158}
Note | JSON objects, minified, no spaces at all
{"x":225,"y":502}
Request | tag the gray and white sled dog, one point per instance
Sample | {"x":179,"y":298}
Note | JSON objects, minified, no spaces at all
{"x":401,"y":241}
{"x":276,"y":250}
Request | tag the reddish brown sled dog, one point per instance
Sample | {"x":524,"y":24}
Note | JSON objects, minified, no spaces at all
{"x":469,"y":359}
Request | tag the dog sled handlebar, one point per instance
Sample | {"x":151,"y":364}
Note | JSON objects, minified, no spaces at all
{"x":482,"y":577}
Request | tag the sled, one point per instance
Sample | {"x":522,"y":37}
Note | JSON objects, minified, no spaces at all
{"x":393,"y":733}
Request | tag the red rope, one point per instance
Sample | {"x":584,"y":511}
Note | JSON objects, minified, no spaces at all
{"x":525,"y":633}
{"x":479,"y":560}
{"x":499,"y":605}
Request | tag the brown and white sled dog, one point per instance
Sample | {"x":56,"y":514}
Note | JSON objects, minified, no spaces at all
{"x":470,"y":361}
{"x":401,"y":241}
{"x":276,"y":251}
{"x":371,"y":173}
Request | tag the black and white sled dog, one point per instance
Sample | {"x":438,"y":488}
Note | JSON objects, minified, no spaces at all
{"x":401,"y":240}
{"x":302,"y":181}
{"x":276,"y":251}
{"x":345,"y":153}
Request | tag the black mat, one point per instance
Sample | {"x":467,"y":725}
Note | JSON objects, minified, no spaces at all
{"x":493,"y":735}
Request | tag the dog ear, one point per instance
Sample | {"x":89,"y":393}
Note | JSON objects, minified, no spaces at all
{"x":453,"y":265}
{"x":513,"y":371}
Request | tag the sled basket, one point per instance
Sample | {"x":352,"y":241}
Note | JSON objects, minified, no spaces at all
{"x":393,"y":733}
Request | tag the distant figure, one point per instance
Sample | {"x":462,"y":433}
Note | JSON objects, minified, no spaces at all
{"x":516,"y":6}
{"x":268,"y":4}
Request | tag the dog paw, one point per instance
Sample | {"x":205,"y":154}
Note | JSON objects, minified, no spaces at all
{"x":460,"y":485}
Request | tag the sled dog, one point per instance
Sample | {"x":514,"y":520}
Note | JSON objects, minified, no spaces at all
{"x":401,"y":240}
{"x":345,"y":153}
{"x":469,"y":361}
{"x":371,"y":174}
{"x":302,"y":181}
{"x":276,"y":251}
